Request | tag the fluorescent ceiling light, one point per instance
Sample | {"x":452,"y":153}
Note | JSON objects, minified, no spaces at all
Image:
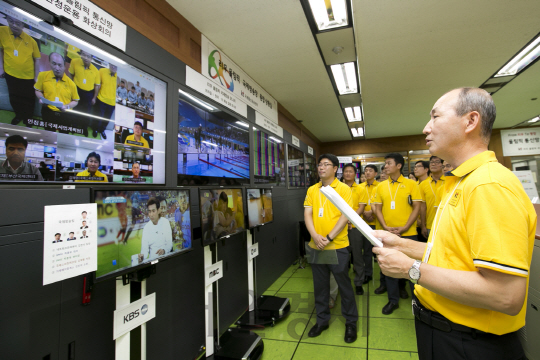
{"x":354,"y":114}
{"x":276,"y":140}
{"x":521,"y":60}
{"x":200,"y":102}
{"x":345,"y":78}
{"x":242,"y":124}
{"x":533,"y":120}
{"x":329,"y":14}
{"x":357,"y":132}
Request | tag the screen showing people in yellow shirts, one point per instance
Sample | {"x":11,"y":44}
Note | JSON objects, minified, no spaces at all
{"x":222,"y":214}
{"x":53,"y":85}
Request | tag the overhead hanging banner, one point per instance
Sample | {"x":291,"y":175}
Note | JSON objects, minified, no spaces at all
{"x":220,"y":69}
{"x":90,"y":18}
{"x":266,"y":124}
{"x":519,"y":142}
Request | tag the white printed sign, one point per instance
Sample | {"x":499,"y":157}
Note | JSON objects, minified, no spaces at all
{"x":253,"y":251}
{"x":213,"y":272}
{"x":527,"y":180}
{"x":294,"y":162}
{"x":517,"y":142}
{"x":266,"y":124}
{"x":222,"y":71}
{"x":70,"y":241}
{"x":201,"y":84}
{"x":295,"y":141}
{"x":345,"y":159}
{"x":310,"y":150}
{"x":133,"y":315}
{"x":90,"y":18}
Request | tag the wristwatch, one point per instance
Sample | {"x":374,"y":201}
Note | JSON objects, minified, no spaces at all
{"x":414,"y":272}
{"x":329,"y":238}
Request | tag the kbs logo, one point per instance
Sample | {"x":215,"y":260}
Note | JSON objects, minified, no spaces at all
{"x":135,"y":314}
{"x":213,"y":273}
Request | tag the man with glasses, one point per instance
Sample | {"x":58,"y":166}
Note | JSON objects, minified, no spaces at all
{"x":447,"y":167}
{"x":328,"y":230}
{"x":367,"y":195}
{"x":421,"y":170}
{"x":431,"y":191}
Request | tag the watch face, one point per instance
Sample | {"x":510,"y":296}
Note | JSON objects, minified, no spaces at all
{"x":414,"y":274}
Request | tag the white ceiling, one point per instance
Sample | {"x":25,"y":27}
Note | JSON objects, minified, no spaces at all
{"x":410,"y":53}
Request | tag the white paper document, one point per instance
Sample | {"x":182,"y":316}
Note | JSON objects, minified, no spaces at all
{"x":350,"y":214}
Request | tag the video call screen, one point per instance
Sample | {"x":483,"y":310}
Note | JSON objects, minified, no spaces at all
{"x":138,"y":227}
{"x":222,"y":214}
{"x":213,"y":147}
{"x":259,"y":206}
{"x":71,"y":112}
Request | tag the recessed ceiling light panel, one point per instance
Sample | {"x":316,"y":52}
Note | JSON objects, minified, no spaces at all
{"x":353,"y":114}
{"x":357,"y":132}
{"x":329,"y":14}
{"x":521,"y":60}
{"x":345,"y":78}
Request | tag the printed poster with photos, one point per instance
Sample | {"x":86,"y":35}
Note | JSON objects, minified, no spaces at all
{"x":70,"y":241}
{"x":71,"y":112}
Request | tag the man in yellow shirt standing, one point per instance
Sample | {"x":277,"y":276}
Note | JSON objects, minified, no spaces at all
{"x":473,"y":274}
{"x":430,"y":189}
{"x":367,"y":195}
{"x":55,"y":86}
{"x":106,"y":100}
{"x":137,"y":139}
{"x":397,"y":204}
{"x":19,"y":65}
{"x":86,"y":76}
{"x":328,"y":230}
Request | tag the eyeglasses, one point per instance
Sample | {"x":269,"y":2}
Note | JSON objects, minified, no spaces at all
{"x":447,"y":166}
{"x":325,"y":165}
{"x":435,"y":162}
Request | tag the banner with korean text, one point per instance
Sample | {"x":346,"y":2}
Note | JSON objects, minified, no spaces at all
{"x":518,"y":142}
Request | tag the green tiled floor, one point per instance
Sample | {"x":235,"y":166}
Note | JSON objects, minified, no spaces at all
{"x":379,"y":336}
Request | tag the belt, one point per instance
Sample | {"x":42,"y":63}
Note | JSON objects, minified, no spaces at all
{"x":438,"y":321}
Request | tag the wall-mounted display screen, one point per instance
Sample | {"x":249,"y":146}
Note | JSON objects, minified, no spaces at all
{"x":295,"y":164}
{"x":268,"y":159}
{"x":259,"y":207}
{"x":312,"y":176}
{"x":213,"y":146}
{"x":79,"y":105}
{"x":138,"y":227}
{"x":222,"y":213}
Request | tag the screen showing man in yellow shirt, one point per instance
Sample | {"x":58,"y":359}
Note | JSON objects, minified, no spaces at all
{"x":106,"y":100}
{"x":86,"y":76}
{"x":57,"y":92}
{"x":137,"y":139}
{"x":92,"y":173}
{"x":19,"y":65}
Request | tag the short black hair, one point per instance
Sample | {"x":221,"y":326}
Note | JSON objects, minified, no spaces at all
{"x":84,"y":221}
{"x":371,"y":166}
{"x":425,"y":163}
{"x":333,"y":158}
{"x":151,"y":95}
{"x":223,"y":197}
{"x":153,"y":201}
{"x":351,"y":165}
{"x":122,"y":82}
{"x":57,"y":234}
{"x":94,"y":155}
{"x":72,"y":232}
{"x":142,"y":94}
{"x":133,"y":87}
{"x":16,"y":139}
{"x":398,"y":159}
{"x":435,"y":157}
{"x":137,"y":123}
{"x":84,"y":212}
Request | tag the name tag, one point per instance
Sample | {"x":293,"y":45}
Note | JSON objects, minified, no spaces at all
{"x":84,"y":81}
{"x":321,"y":212}
{"x":57,"y":99}
{"x":393,"y":205}
{"x":455,"y":197}
{"x":16,"y":52}
{"x":428,"y":252}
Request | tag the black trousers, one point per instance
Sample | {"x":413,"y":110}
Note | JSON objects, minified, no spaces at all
{"x":434,"y":344}
{"x":103,"y":110}
{"x":392,"y":284}
{"x":55,"y":117}
{"x":85,"y":106}
{"x":22,"y":96}
{"x":321,"y":285}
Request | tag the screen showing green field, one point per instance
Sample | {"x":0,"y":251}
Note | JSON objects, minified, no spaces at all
{"x":139,"y":227}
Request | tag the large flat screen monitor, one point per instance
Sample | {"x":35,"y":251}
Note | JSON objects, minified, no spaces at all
{"x":137,"y":227}
{"x":63,"y":100}
{"x":259,"y":207}
{"x":213,"y":146}
{"x":295,"y":164}
{"x":222,"y":214}
{"x":268,"y":159}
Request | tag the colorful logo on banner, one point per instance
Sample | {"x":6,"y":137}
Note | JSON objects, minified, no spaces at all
{"x":218,"y":69}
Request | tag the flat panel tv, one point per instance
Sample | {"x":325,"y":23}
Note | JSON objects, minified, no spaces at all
{"x":222,"y":214}
{"x":137,"y":227}
{"x":107,"y":109}
{"x":259,"y":207}
{"x":268,"y":159}
{"x":213,"y":146}
{"x":312,"y":176}
{"x":295,"y":164}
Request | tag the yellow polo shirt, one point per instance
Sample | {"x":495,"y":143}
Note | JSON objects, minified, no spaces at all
{"x":65,"y":89}
{"x":430,"y":190}
{"x":398,"y":191}
{"x":22,"y":65}
{"x":475,"y":231}
{"x":331,"y":214}
{"x":355,"y":188}
{"x":142,"y":141}
{"x":97,"y":174}
{"x":84,"y":78}
{"x":107,"y":92}
{"x":367,"y":196}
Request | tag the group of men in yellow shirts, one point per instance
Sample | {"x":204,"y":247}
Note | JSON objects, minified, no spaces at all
{"x":84,"y":88}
